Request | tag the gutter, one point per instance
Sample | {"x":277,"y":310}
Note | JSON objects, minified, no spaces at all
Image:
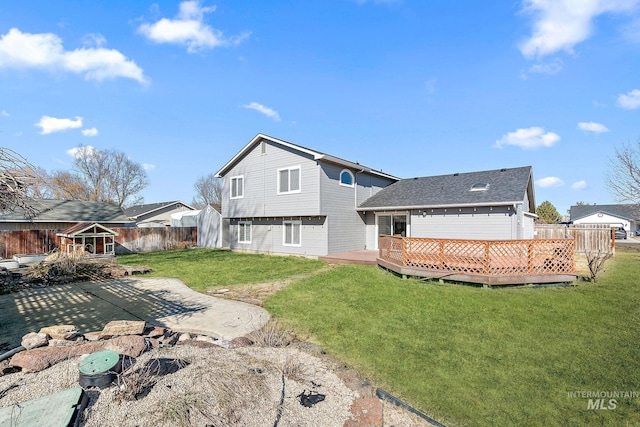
{"x":463,"y":205}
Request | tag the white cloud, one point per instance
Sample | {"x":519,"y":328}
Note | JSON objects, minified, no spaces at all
{"x":45,"y":51}
{"x":189,"y":29}
{"x":630,"y":101}
{"x":84,"y":149}
{"x":592,"y":127}
{"x":49,"y":124}
{"x":529,"y":138}
{"x":579,"y":185}
{"x":550,"y":181}
{"x":90,"y":132}
{"x":548,"y":68}
{"x":148,"y":166}
{"x":4,"y":113}
{"x":562,"y":24}
{"x":263,"y":110}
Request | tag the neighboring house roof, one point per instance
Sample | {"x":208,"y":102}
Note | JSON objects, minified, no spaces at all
{"x":50,"y":210}
{"x":317,"y":155}
{"x":137,"y":211}
{"x":501,"y":187}
{"x":628,"y":212}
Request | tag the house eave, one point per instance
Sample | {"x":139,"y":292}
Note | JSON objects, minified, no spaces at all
{"x":356,"y":166}
{"x":441,"y":206}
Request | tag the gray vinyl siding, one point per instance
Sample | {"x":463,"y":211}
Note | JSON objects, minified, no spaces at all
{"x":267,"y":236}
{"x":496,"y":223}
{"x":368,"y":185}
{"x":260,"y":172}
{"x":346,"y":230}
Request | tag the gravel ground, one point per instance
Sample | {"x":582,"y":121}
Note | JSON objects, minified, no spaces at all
{"x":249,"y":386}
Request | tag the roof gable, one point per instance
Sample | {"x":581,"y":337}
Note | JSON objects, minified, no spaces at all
{"x":140,"y":210}
{"x":484,"y":188}
{"x":629,"y":211}
{"x":316,"y":155}
{"x":83,"y":227}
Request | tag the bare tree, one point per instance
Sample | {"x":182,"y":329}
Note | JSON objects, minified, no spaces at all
{"x":208,"y":192}
{"x":126,"y":179}
{"x":107,"y":176}
{"x":623,"y":177}
{"x":17,"y":176}
{"x":69,"y":186}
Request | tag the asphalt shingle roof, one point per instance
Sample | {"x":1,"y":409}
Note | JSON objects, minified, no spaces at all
{"x":621,"y":211}
{"x":138,"y":210}
{"x":50,"y":210}
{"x":504,"y":186}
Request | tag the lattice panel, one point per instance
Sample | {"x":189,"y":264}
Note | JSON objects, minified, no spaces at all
{"x":481,"y":257}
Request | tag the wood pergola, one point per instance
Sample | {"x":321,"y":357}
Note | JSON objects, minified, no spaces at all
{"x":489,"y":262}
{"x":91,"y":238}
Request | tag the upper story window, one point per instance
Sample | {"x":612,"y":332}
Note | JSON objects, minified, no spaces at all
{"x":289,"y":180}
{"x":346,"y":178}
{"x":237,"y":187}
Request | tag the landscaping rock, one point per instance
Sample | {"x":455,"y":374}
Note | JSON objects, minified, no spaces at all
{"x":61,"y":332}
{"x":123,"y":327}
{"x":368,"y":411}
{"x":93,"y":336}
{"x":154,"y":332}
{"x":207,"y":339}
{"x":41,"y":358}
{"x":61,"y":343}
{"x":241,"y":342}
{"x":184,"y":337}
{"x":33,"y":340}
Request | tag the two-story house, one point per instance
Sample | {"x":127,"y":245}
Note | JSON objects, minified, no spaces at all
{"x":280,"y":197}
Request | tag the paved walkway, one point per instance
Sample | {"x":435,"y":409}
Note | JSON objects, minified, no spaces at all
{"x":158,"y":301}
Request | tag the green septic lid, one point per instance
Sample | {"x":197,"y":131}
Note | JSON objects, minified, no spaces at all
{"x":99,"y":362}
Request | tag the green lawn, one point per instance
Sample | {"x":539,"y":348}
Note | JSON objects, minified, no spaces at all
{"x":473,"y":356}
{"x":464,"y":355}
{"x":203,"y":269}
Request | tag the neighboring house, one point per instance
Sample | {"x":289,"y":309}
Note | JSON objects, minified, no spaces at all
{"x":61,"y":214}
{"x":280,"y":197}
{"x":156,"y":214}
{"x":626,"y":216}
{"x":487,"y":205}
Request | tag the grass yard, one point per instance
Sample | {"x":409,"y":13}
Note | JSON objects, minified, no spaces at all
{"x":481,"y":357}
{"x":463,"y":355}
{"x":203,"y":269}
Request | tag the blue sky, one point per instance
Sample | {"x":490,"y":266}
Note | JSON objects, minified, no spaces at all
{"x":415,"y":88}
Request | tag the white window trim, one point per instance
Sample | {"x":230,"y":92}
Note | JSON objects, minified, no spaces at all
{"x":290,"y":168}
{"x":353,"y":178}
{"x":231,"y":180}
{"x":245,"y":224}
{"x":284,"y":232}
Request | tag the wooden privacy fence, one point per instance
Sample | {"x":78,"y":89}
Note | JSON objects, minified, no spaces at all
{"x":587,"y":237}
{"x":481,"y":261}
{"x":129,"y":240}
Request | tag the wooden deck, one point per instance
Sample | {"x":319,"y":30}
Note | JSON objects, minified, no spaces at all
{"x":490,"y":262}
